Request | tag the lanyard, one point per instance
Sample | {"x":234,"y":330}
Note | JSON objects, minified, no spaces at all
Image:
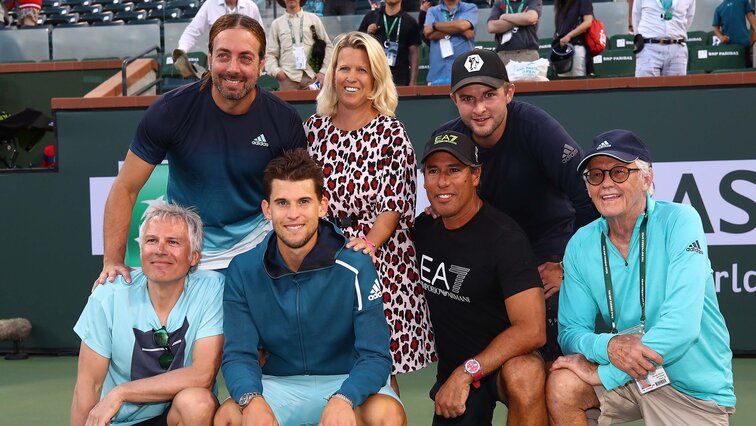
{"x":608,"y":277}
{"x":667,"y":6}
{"x":450,"y":15}
{"x":301,"y":30}
{"x":519,"y":9}
{"x":393,"y":24}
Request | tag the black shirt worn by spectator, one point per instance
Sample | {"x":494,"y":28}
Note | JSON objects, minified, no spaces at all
{"x":408,"y":32}
{"x":467,"y":274}
{"x":531,"y":175}
{"x":568,"y":18}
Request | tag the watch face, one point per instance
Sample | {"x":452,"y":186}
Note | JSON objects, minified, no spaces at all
{"x":244,"y":400}
{"x":472,"y":366}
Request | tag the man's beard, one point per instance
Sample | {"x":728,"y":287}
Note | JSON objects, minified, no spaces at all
{"x":234,"y":96}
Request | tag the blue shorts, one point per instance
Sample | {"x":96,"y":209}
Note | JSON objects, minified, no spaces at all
{"x":300,"y":400}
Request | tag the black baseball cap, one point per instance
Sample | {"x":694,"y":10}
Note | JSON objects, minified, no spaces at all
{"x":478,"y":66}
{"x":456,"y":144}
{"x":623,"y":145}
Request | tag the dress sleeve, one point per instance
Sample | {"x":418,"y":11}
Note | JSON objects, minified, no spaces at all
{"x":398,"y":176}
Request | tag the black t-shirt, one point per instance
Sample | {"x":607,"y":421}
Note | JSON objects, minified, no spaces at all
{"x":569,"y":18}
{"x":466,"y":274}
{"x":408,"y":35}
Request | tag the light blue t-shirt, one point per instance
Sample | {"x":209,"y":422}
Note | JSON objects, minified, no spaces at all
{"x":439,"y":70}
{"x":683,"y":321}
{"x":118,"y":323}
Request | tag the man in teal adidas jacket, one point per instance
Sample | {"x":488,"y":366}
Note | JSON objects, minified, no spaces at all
{"x":644,"y":267}
{"x":310,"y":303}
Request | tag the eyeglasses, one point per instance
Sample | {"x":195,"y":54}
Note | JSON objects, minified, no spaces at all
{"x":618,"y":174}
{"x":160,"y":337}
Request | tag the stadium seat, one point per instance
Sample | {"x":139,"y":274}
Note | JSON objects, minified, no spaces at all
{"x":128,"y":16}
{"x":183,"y":4}
{"x":119,"y":7}
{"x":92,"y":18}
{"x":268,"y":82}
{"x":620,"y":41}
{"x":189,"y":13}
{"x":151,"y":6}
{"x":544,"y":47}
{"x":108,"y":2}
{"x":615,"y":63}
{"x":488,"y":45}
{"x":57,"y":20}
{"x":73,"y":3}
{"x":56,"y":10}
{"x":710,"y":58}
{"x":86,"y":10}
{"x":50,"y":3}
{"x":698,"y":38}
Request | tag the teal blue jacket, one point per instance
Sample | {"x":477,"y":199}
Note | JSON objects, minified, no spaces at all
{"x":325,"y":319}
{"x":683,"y":321}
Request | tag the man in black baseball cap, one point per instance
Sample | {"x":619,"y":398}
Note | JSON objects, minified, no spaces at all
{"x":483,"y":292}
{"x":529,"y":167}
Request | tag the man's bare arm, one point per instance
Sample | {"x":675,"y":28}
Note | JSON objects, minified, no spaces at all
{"x":527,"y":315}
{"x":117,"y":220}
{"x":90,"y":375}
{"x":414,"y":57}
{"x":522,"y":19}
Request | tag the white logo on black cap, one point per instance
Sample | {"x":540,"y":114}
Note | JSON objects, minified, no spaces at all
{"x":473,"y":63}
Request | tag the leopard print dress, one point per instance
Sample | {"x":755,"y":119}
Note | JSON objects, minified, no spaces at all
{"x":369,"y":171}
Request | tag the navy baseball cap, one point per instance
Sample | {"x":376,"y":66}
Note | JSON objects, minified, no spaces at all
{"x":478,"y":66}
{"x":623,"y":145}
{"x":456,"y":144}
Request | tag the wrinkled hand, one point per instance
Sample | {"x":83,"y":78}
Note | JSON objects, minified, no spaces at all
{"x":628,"y":354}
{"x":372,"y":28}
{"x":110,"y":270}
{"x":470,"y":34}
{"x":338,"y":413}
{"x":258,"y":413}
{"x":724,"y":39}
{"x":359,"y":244}
{"x":103,"y":411}
{"x":551,"y":276}
{"x":578,"y":364}
{"x":564,"y":40}
{"x":451,"y":398}
{"x":281,"y":76}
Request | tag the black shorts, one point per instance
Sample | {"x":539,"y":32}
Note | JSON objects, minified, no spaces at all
{"x":551,"y":350}
{"x":480,"y":404}
{"x":161,"y":420}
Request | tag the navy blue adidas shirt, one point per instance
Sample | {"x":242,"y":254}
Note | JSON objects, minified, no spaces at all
{"x":530,"y":174}
{"x":217,"y":159}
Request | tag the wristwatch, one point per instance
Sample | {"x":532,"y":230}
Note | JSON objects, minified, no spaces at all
{"x":246,"y":399}
{"x":472,"y":367}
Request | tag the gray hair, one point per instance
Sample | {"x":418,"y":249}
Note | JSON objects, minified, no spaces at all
{"x":173,"y":212}
{"x":645,"y":171}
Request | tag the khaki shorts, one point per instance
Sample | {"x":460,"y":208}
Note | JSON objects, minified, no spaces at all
{"x":664,"y":406}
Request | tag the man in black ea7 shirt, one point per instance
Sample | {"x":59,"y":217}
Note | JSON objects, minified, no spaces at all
{"x":529,"y":164}
{"x":484,"y":294}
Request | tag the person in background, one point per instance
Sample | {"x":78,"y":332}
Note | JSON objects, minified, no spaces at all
{"x":206,"y":16}
{"x":661,"y":28}
{"x":450,"y":27}
{"x":370,"y":173}
{"x":730,"y":27}
{"x":572,"y":19}
{"x":515,"y":26}
{"x":290,"y":42}
{"x":399,"y":34}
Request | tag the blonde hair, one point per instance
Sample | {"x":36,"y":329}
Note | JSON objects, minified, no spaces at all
{"x":383,"y":96}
